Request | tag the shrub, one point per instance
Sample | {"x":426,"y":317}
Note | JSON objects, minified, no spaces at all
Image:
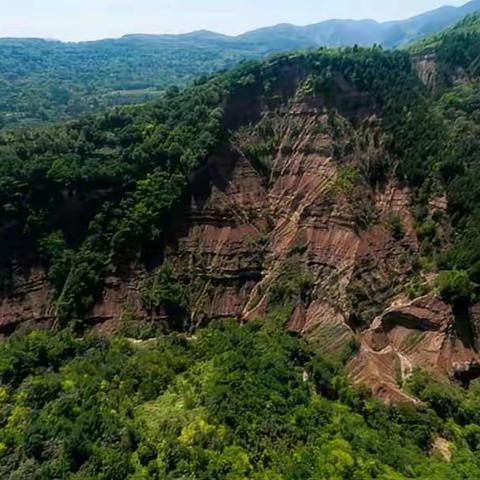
{"x":396,"y":226}
{"x":165,"y":294}
{"x":454,"y":287}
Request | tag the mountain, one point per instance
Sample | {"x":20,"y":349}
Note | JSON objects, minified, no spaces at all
{"x":330,"y":184}
{"x":223,"y":283}
{"x":338,"y":33}
{"x":43,"y":81}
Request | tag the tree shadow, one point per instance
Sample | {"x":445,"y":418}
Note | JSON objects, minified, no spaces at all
{"x":465,"y":374}
{"x":463,"y":325}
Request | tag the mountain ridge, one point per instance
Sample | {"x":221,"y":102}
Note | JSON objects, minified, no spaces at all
{"x":448,"y":13}
{"x":317,"y":183}
{"x":44,"y":81}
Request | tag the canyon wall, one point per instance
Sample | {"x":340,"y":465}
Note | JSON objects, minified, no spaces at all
{"x":310,"y":212}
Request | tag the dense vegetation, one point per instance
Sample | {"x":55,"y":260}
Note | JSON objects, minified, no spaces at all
{"x":456,"y":164}
{"x":230,"y":403}
{"x":456,"y":47}
{"x":44,"y":81}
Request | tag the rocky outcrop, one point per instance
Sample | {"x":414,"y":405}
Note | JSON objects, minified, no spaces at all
{"x":28,"y":301}
{"x":443,"y":448}
{"x":312,"y":199}
{"x":121,"y":299}
{"x":427,"y":69}
{"x":218,"y":248}
{"x":424,"y":333}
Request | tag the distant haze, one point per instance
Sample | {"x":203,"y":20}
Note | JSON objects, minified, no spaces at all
{"x":95,"y":19}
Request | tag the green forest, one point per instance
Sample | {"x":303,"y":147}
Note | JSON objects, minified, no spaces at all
{"x":225,"y":401}
{"x":47,"y":81}
{"x":231,"y":402}
{"x":44,"y":81}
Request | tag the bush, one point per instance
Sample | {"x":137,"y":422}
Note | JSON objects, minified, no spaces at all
{"x":164,"y":294}
{"x":396,"y":226}
{"x":231,"y":402}
{"x":443,"y":398}
{"x":455,"y":287}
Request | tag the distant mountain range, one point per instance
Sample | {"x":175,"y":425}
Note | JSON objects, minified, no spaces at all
{"x":335,"y":33}
{"x":45,"y":80}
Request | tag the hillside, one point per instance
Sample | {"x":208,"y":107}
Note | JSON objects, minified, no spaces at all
{"x":287,"y":184}
{"x":225,"y":282}
{"x":233,"y":403}
{"x":456,"y":53}
{"x":44,"y":81}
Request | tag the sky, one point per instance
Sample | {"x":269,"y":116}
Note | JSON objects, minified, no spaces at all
{"x":74,"y":20}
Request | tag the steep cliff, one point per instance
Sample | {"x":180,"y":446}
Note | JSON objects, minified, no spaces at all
{"x":309,"y":205}
{"x":308,"y":185}
{"x":309,"y":231}
{"x":424,"y":333}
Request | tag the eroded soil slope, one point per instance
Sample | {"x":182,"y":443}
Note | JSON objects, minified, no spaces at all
{"x":299,"y":209}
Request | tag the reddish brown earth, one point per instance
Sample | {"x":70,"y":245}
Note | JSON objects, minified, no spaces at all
{"x":30,"y":303}
{"x":312,"y":203}
{"x":423,"y":333}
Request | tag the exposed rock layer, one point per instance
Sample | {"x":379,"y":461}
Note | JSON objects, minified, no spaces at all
{"x":310,"y":198}
{"x":423,"y":333}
